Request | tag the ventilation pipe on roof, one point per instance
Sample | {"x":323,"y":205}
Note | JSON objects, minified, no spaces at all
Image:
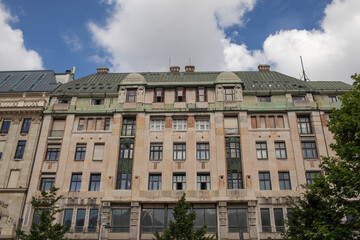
{"x":102,"y":70}
{"x":174,"y":69}
{"x":189,"y":68}
{"x":264,"y":68}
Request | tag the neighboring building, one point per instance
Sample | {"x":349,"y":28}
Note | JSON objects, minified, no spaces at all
{"x":123,"y":148}
{"x":23,"y":97}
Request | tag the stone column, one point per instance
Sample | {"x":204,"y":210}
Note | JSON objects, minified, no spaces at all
{"x":223,"y":228}
{"x":134,"y":220}
{"x":253,"y":232}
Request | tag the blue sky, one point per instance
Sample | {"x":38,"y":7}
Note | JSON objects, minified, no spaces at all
{"x":141,"y":35}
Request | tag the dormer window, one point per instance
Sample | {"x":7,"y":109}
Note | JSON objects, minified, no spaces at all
{"x":229,"y":94}
{"x":98,"y":101}
{"x":201,"y":94}
{"x":159,"y":95}
{"x":64,"y":100}
{"x":180,"y":94}
{"x":333,"y":99}
{"x":298,"y":98}
{"x":264,"y":99}
{"x":131,"y":95}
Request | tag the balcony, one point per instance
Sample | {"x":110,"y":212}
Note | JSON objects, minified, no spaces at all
{"x":231,"y":131}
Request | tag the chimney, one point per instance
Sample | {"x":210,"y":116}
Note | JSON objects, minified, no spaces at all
{"x":102,"y":70}
{"x":264,"y":68}
{"x":189,"y":68}
{"x":174,"y":69}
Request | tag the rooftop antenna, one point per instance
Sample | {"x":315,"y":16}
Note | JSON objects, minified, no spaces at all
{"x":169,"y":62}
{"x":304,"y":74}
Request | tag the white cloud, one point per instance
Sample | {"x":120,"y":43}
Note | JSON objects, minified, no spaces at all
{"x":72,"y":40}
{"x":13,"y":53}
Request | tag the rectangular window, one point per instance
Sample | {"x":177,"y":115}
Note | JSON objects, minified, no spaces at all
{"x":264,"y":181}
{"x":284,"y":181}
{"x":205,"y":216}
{"x":179,"y":124}
{"x":47,"y":183}
{"x":57,"y":128}
{"x":264,"y":99}
{"x":98,"y":151}
{"x":180,"y":94}
{"x":131,"y":95}
{"x":81,"y":124}
{"x":279,"y":219}
{"x":90,"y":123}
{"x":26,"y":126}
{"x":154,"y":182}
{"x":20,"y":149}
{"x":120,"y":220}
{"x":80,"y":220}
{"x":80,"y":152}
{"x":203,"y":181}
{"x":99,"y":101}
{"x":237,"y":219}
{"x":94,"y":184}
{"x":265,"y":219}
{"x":298,"y":98}
{"x":202,"y":124}
{"x":2,"y":148}
{"x":272,"y":121}
{"x":309,"y":150}
{"x":152,"y":220}
{"x":107,"y":124}
{"x":310,"y":176}
{"x":201,"y":94}
{"x":261,"y":150}
{"x":52,"y":153}
{"x":333,"y":99}
{"x":202,"y":151}
{"x":128,"y":127}
{"x":68,"y":214}
{"x":229,"y":94}
{"x":304,"y":125}
{"x":5,"y":127}
{"x":157,"y":124}
{"x":232,"y":150}
{"x":98,"y":123}
{"x":179,"y":181}
{"x":234,"y":180}
{"x":262,"y":122}
{"x":280,"y":150}
{"x":159,"y":95}
{"x":75,"y":184}
{"x":125,"y":166}
{"x":123,"y":181}
{"x":93,"y":220}
{"x":156,"y":151}
{"x":179,"y":150}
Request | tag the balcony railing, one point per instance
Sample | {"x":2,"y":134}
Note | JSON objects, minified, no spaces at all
{"x":231,"y":131}
{"x":56,"y":133}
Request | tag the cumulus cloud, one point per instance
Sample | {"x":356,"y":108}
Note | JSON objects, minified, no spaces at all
{"x":72,"y":40}
{"x":13,"y":53}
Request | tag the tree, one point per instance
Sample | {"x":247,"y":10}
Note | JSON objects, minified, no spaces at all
{"x":45,"y":207}
{"x":183,"y":227}
{"x":330,"y":207}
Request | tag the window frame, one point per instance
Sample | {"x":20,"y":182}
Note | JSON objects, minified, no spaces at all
{"x":94,"y":182}
{"x":229,"y":92}
{"x":179,"y":124}
{"x":50,"y":153}
{"x":81,"y":123}
{"x":333,"y":99}
{"x":279,"y":223}
{"x":44,"y":181}
{"x":128,"y":127}
{"x":234,"y":177}
{"x":75,"y":182}
{"x":183,"y":95}
{"x":235,"y":228}
{"x":310,"y":176}
{"x":261,"y":150}
{"x":284,"y":180}
{"x":25,"y":128}
{"x":280,"y":150}
{"x":20,"y":149}
{"x":80,"y":222}
{"x":304,"y":124}
{"x":202,"y":153}
{"x":131,"y":94}
{"x":93,"y":220}
{"x":159,"y":98}
{"x":5,"y":126}
{"x":80,"y":152}
{"x":265,"y":228}
{"x":179,"y":179}
{"x":97,"y":102}
{"x":202,"y":124}
{"x":298,"y":98}
{"x":201,"y":97}
{"x":264,"y":181}
{"x":122,"y":227}
{"x":155,"y":181}
{"x":177,"y":151}
{"x":306,"y":150}
{"x":263,"y":99}
{"x":157,"y":123}
{"x":203,"y":181}
{"x":231,"y":149}
{"x":156,"y":152}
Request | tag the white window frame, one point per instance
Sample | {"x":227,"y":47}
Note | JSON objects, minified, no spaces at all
{"x":202,"y":124}
{"x":180,"y":124}
{"x":157,"y":124}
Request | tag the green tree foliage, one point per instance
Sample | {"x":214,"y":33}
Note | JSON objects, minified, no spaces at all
{"x":330,"y":207}
{"x":183,"y":227}
{"x":46,"y":208}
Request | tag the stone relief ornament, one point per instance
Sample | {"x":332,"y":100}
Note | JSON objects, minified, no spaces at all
{"x":141,"y":90}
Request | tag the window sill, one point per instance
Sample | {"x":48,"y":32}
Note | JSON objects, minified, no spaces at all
{"x":18,"y":159}
{"x":262,"y":159}
{"x":97,"y":160}
{"x":179,"y":160}
{"x":3,"y":134}
{"x":24,"y":134}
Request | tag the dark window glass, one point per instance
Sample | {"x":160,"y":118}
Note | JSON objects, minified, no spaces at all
{"x":284,"y":181}
{"x":123,"y":181}
{"x":93,"y":220}
{"x":80,"y":220}
{"x":159,"y":95}
{"x":47,"y":183}
{"x":203,"y":181}
{"x":265,"y":181}
{"x":280,"y":150}
{"x":36,"y":217}
{"x":20,"y":150}
{"x":265,"y":219}
{"x":75,"y":184}
{"x":128,"y":127}
{"x":120,"y":221}
{"x":232,"y":150}
{"x":304,"y":125}
{"x":310,"y":176}
{"x":97,"y":101}
{"x":237,"y":219}
{"x":156,"y":151}
{"x":261,"y":150}
{"x":81,"y":124}
{"x":131,"y":95}
{"x":264,"y":99}
{"x":179,"y":181}
{"x":52,"y":152}
{"x":234,"y":180}
{"x":229,"y":94}
{"x":107,"y":124}
{"x":26,"y":126}
{"x":333,"y":99}
{"x":180,"y":94}
{"x":154,"y":182}
{"x":202,"y":151}
{"x":80,"y":152}
{"x":95,"y":179}
{"x":309,"y":150}
{"x":205,"y":216}
{"x":125,"y":166}
{"x":5,"y":127}
{"x":179,"y":151}
{"x":279,"y":219}
{"x":298,"y":98}
{"x":201,"y":94}
{"x":68,"y":214}
{"x":152,"y":220}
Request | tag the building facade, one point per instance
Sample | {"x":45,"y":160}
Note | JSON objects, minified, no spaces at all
{"x":123,"y":148}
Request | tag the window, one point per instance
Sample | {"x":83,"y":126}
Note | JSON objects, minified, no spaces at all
{"x":2,"y":147}
{"x":262,"y":122}
{"x":202,"y":151}
{"x":57,"y":128}
{"x":25,"y":126}
{"x":98,"y":123}
{"x":205,"y":216}
{"x":156,"y":151}
{"x":125,"y":165}
{"x":107,"y":124}
{"x":75,"y":184}
{"x":99,"y":101}
{"x":333,"y":99}
{"x":265,"y":181}
{"x":64,"y":101}
{"x":264,"y":99}
{"x":309,"y":150}
{"x":229,"y":94}
{"x":179,"y":124}
{"x":98,"y":151}
{"x":280,"y":150}
{"x":180,"y":94}
{"x":310,"y":176}
{"x":131,"y":95}
{"x":154,"y":182}
{"x":128,"y":127}
{"x":271,"y":121}
{"x":95,"y":179}
{"x":232,"y":150}
{"x":80,"y":152}
{"x":120,"y":220}
{"x":80,"y":220}
{"x":265,"y":219}
{"x":47,"y":183}
{"x":284,"y":181}
{"x":234,"y":180}
{"x":279,"y":219}
{"x":201,"y":94}
{"x":152,"y":220}
{"x":20,"y":150}
{"x":93,"y":220}
{"x":261,"y":150}
{"x":202,"y":124}
{"x":52,"y":153}
{"x":68,"y":214}
{"x":90,"y":123}
{"x":203,"y":181}
{"x":179,"y":151}
{"x":237,"y":219}
{"x":298,"y":98}
{"x":179,"y":181}
{"x":5,"y":127}
{"x":157,"y":124}
{"x":123,"y":181}
{"x":304,"y":125}
{"x":81,"y":124}
{"x":159,"y":95}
